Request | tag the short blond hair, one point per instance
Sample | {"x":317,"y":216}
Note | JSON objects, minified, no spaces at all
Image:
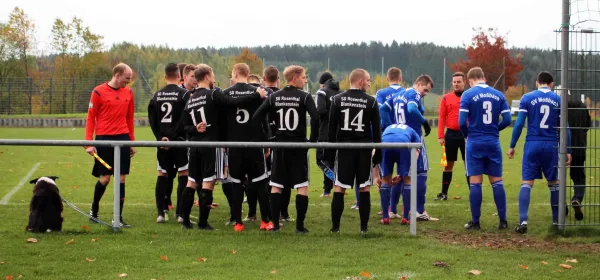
{"x":394,"y":74}
{"x":241,"y":69}
{"x":189,"y":68}
{"x":475,"y":73}
{"x":253,"y":78}
{"x":292,"y":71}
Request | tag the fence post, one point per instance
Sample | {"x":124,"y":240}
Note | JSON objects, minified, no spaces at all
{"x":50,"y":96}
{"x":30,"y":92}
{"x":117,"y":188}
{"x":9,"y":94}
{"x":413,"y":192}
{"x":73,"y":96}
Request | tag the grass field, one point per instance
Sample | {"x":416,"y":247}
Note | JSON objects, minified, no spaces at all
{"x":164,"y":251}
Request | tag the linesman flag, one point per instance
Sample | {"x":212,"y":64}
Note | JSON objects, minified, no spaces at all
{"x":444,"y":162}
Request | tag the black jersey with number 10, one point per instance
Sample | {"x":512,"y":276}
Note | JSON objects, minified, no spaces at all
{"x":165,"y":110}
{"x":354,"y":117}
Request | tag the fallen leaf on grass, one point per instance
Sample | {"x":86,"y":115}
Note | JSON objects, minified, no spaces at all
{"x":20,"y":276}
{"x":524,"y":267}
{"x":90,"y":260}
{"x":365,"y":274}
{"x":572,"y":260}
{"x":85,"y":227}
{"x":31,"y":240}
{"x":2,"y":262}
{"x":273,"y":271}
{"x":201,"y":259}
{"x":164,"y":258}
{"x":495,"y":214}
{"x":440,"y":264}
{"x":233,"y":252}
{"x":457,"y":197}
{"x":94,"y":240}
{"x":475,"y":272}
{"x":122,"y":275}
{"x":9,"y":277}
{"x":70,"y":242}
{"x":544,"y":262}
{"x":565,"y":266}
{"x":408,"y":254}
{"x":75,"y":187}
{"x":196,"y":203}
{"x":403,"y":278}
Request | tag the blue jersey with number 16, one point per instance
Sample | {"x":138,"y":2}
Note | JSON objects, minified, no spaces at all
{"x":483,"y":105}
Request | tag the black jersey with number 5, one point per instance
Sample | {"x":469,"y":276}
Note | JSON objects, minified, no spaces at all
{"x":165,"y":110}
{"x":287,"y":109}
{"x":354,"y":117}
{"x":240,"y":125}
{"x":208,"y":105}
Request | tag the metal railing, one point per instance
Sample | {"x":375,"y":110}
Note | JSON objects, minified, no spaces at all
{"x":117,"y":145}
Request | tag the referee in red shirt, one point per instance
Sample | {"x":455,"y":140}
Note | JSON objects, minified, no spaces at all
{"x":453,"y":139}
{"x":110,"y":117}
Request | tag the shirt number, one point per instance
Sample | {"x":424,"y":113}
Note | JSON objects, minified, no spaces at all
{"x":202,"y":117}
{"x":168,"y":117}
{"x":242,"y":115}
{"x":289,"y":118}
{"x":400,"y":118}
{"x":487,"y":117}
{"x":357,"y":121}
{"x":546,"y":111}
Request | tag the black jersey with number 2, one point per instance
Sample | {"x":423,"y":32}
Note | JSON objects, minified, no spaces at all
{"x":165,"y":110}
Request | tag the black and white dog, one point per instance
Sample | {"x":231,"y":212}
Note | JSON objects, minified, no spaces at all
{"x":45,"y":208}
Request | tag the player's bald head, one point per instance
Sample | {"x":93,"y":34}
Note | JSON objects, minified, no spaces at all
{"x":357,"y":75}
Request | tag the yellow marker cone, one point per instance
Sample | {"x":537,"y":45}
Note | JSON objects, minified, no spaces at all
{"x":444,"y":162}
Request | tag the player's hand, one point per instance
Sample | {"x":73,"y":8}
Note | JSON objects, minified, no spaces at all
{"x":267,"y":152}
{"x":262,"y":92}
{"x":511,"y":153}
{"x":568,"y":159}
{"x":164,"y":139}
{"x":442,"y":141}
{"x":201,"y":127}
{"x":378,"y":183}
{"x":132,"y":151}
{"x":426,"y":127}
{"x":396,"y":180}
{"x":90,"y":150}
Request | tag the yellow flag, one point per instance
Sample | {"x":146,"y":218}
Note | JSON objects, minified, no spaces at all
{"x":444,"y":162}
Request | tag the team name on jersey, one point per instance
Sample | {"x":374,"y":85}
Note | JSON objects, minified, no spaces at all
{"x":167,"y":96}
{"x":235,"y":93}
{"x":354,"y":102}
{"x":198,"y":101}
{"x":544,"y":100}
{"x":401,"y":98}
{"x":486,"y":95}
{"x":287,"y":101}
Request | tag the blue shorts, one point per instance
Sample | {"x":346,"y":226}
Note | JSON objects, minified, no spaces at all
{"x":423,"y":160}
{"x":400,"y":157}
{"x":540,"y":157}
{"x":484,"y":158}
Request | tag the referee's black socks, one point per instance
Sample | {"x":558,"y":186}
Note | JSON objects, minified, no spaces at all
{"x":446,"y":180}
{"x":162,"y":183}
{"x":98,"y":193}
{"x":301,"y":209}
{"x":275,"y":199}
{"x":337,"y":208}
{"x":364,"y":209}
{"x":205,"y":203}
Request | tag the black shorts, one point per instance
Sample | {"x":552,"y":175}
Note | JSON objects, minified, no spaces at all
{"x":353,"y":165}
{"x":206,"y":164}
{"x":248,"y":162}
{"x":268,"y":163}
{"x":107,"y":154}
{"x":289,"y":168}
{"x":454,"y":141}
{"x":171,"y":159}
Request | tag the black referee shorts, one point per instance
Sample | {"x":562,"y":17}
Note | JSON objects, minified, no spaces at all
{"x":206,"y":164}
{"x":172,"y":158}
{"x":106,"y":153}
{"x":247,"y":162}
{"x":289,"y":168}
{"x":353,"y":165}
{"x":454,"y":141}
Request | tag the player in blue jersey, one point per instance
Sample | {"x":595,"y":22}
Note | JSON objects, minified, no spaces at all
{"x":398,"y":133}
{"x":407,"y":108}
{"x":394,"y":78}
{"x":482,"y":107}
{"x":540,"y":154}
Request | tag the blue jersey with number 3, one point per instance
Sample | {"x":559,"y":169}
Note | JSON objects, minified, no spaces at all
{"x":542,"y":108}
{"x":484,"y":105}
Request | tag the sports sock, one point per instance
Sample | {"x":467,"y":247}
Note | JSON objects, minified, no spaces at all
{"x":406,"y":201}
{"x":384,"y":194}
{"x":396,"y":192}
{"x":98,"y":193}
{"x":357,"y":192}
{"x":159,"y":193}
{"x":187,"y":199}
{"x":446,"y":180}
{"x":237,"y":196}
{"x":251,"y":195}
{"x":364,"y":209}
{"x":286,"y":195}
{"x":181,"y":183}
{"x":337,"y":208}
{"x":524,"y":199}
{"x":275,"y":199}
{"x":227,"y":190}
{"x":301,"y":209}
{"x":262,"y":196}
{"x":475,"y":198}
{"x":122,"y":196}
{"x":205,"y":202}
{"x":579,"y":187}
{"x":554,"y":201}
{"x":172,"y":174}
{"x":500,"y":199}
{"x":421,"y":191}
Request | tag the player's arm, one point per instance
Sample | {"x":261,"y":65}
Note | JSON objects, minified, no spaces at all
{"x":130,"y":114}
{"x":189,"y":127}
{"x":463,"y":114}
{"x":380,"y":98}
{"x":90,"y":124}
{"x":329,"y":154}
{"x":506,"y":117}
{"x":261,"y":112}
{"x":311,"y":108}
{"x":414,"y":112}
{"x":376,"y":130}
{"x":153,"y":118}
{"x":520,"y":123}
{"x":178,"y":129}
{"x":322,"y":104}
{"x":442,"y":118}
{"x":385,"y":112}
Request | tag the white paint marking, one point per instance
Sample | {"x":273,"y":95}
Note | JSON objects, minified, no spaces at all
{"x":7,"y":197}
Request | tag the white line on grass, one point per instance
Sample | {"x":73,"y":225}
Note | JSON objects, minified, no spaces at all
{"x":7,"y":197}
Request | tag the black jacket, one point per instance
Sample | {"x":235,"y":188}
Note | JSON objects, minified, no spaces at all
{"x":579,"y":121}
{"x":324,"y":97}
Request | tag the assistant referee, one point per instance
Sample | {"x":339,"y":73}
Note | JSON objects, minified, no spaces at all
{"x":453,"y":139}
{"x":110,"y":117}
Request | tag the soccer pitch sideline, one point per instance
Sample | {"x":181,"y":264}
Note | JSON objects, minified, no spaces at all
{"x":165,"y":251}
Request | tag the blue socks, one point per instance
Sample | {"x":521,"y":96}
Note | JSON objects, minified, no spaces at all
{"x":554,"y":201}
{"x":384,"y":194}
{"x":395,"y":196}
{"x":475,"y":198}
{"x":421,"y":191}
{"x":524,"y":199}
{"x":500,"y":199}
{"x":405,"y":200}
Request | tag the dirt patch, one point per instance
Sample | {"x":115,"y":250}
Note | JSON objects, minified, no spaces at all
{"x":508,"y":241}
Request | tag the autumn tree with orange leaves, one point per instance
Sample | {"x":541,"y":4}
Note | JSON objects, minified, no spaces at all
{"x":250,"y":58}
{"x":488,"y":50}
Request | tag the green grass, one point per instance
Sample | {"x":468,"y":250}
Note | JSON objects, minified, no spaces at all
{"x":388,"y":252}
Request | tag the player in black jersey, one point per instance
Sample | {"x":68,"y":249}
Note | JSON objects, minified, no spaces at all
{"x":354,"y":118}
{"x":201,"y":123}
{"x":287,"y":109}
{"x":246,"y":162}
{"x":164,"y":114}
{"x":329,"y":88}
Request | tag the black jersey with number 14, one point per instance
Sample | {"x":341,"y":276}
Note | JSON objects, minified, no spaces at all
{"x":354,"y":117}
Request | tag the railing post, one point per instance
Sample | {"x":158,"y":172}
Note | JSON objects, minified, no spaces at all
{"x":117,"y":188}
{"x":9,"y":94}
{"x":413,"y":191}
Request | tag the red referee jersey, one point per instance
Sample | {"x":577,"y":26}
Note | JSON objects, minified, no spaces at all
{"x":110,"y":112}
{"x":449,"y":108}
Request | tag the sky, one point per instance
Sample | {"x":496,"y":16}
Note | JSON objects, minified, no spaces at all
{"x":222,"y":23}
